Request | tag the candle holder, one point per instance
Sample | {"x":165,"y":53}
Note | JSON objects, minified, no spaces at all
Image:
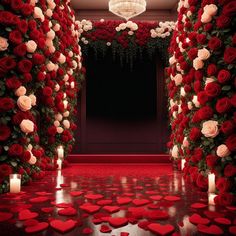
{"x":15,"y":183}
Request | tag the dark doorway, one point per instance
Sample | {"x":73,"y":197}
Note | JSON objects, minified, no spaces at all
{"x":122,"y":106}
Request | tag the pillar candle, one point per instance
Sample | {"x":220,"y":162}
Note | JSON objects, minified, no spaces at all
{"x":182,"y":163}
{"x":15,"y":183}
{"x":60,"y":152}
{"x":211,"y":197}
{"x":59,"y":163}
{"x":211,"y":183}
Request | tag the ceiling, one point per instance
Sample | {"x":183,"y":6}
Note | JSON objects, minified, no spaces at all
{"x":103,"y":4}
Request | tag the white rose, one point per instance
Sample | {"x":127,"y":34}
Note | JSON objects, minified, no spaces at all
{"x":175,"y":152}
{"x":3,"y":44}
{"x":203,"y":54}
{"x":58,"y":117}
{"x":24,"y":103}
{"x":210,"y":129}
{"x":222,"y":151}
{"x":27,"y":126}
{"x":66,"y":124}
{"x":60,"y":130}
{"x":20,"y":91}
{"x":31,"y":46}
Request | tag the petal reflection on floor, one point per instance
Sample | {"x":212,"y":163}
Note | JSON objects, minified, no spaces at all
{"x":117,"y":199}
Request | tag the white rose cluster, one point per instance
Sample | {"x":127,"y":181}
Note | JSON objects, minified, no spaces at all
{"x":163,"y":30}
{"x":129,"y":24}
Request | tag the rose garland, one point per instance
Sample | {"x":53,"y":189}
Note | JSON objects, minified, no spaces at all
{"x":126,"y":39}
{"x":31,"y":66}
{"x":201,"y":88}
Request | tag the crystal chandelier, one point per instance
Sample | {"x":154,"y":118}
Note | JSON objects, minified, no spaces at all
{"x":127,"y":8}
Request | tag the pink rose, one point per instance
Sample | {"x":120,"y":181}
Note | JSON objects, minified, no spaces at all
{"x":56,"y":27}
{"x":222,"y":151}
{"x":48,"y":13}
{"x":56,"y":123}
{"x":3,"y":44}
{"x":61,"y":59}
{"x":203,"y":54}
{"x":210,"y":9}
{"x":27,"y":126}
{"x":50,"y":66}
{"x":21,"y":91}
{"x":66,"y":124}
{"x":24,"y":103}
{"x":33,"y":99}
{"x":51,"y":34}
{"x":198,"y":63}
{"x":59,"y":130}
{"x":32,"y":160}
{"x":210,"y":129}
{"x":38,"y":14}
{"x":31,"y":46}
{"x":206,"y":18}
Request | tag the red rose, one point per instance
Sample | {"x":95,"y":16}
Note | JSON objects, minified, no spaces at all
{"x":52,"y":130}
{"x":25,"y":66}
{"x":224,"y":199}
{"x":8,"y":18}
{"x":16,"y":4}
{"x":223,"y":21}
{"x":231,"y":142}
{"x":223,"y":105}
{"x":38,"y":59}
{"x":223,"y":76}
{"x":201,"y":38}
{"x":223,"y":184}
{"x":214,"y":43}
{"x":15,"y":150}
{"x":229,"y":9}
{"x":208,"y":27}
{"x":212,"y":89}
{"x":202,"y":97}
{"x":20,"y":50}
{"x":27,"y":77}
{"x":230,"y":170}
{"x":47,"y":91}
{"x":192,"y":53}
{"x":228,"y":127}
{"x":6,"y":104}
{"x":202,"y":182}
{"x":13,"y":83}
{"x":233,"y":100}
{"x":211,"y":70}
{"x":32,"y":24}
{"x":41,"y":76}
{"x":205,"y":113}
{"x":27,"y":9}
{"x":197,"y":86}
{"x":5,"y":170}
{"x":7,"y":63}
{"x":230,"y":55}
{"x":195,"y":134}
{"x":15,"y":37}
{"x":198,"y":74}
{"x":26,"y":156}
{"x":23,"y":26}
{"x":211,"y":160}
{"x":5,"y":132}
{"x":20,"y":115}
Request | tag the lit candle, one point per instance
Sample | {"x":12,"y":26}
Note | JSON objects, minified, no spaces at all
{"x":211,"y":197}
{"x":211,"y":183}
{"x":72,"y":84}
{"x":60,"y":152}
{"x":59,"y":163}
{"x":15,"y":183}
{"x":182,"y":163}
{"x":65,"y":102}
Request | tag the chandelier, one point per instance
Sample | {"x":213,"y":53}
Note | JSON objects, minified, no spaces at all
{"x":127,"y":8}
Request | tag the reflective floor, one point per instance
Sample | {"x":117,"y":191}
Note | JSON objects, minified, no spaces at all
{"x":119,"y":200}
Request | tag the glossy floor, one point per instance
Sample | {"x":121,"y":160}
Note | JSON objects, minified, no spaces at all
{"x":120,"y":200}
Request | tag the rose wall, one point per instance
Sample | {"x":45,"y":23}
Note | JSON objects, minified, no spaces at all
{"x":39,"y":69}
{"x":201,"y":88}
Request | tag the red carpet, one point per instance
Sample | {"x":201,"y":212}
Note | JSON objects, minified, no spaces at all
{"x":113,"y":199}
{"x":119,"y":158}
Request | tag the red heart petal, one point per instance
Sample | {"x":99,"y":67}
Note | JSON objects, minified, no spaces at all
{"x":63,"y":205}
{"x":89,"y":208}
{"x":63,"y":226}
{"x":27,"y":214}
{"x":124,"y":200}
{"x":197,"y":219}
{"x":76,"y":193}
{"x":93,"y":196}
{"x":105,"y":229}
{"x":39,"y":199}
{"x":157,"y":215}
{"x":69,"y":211}
{"x":161,"y":229}
{"x":232,"y":230}
{"x":117,"y":222}
{"x":111,"y":209}
{"x":104,"y":202}
{"x":212,"y":229}
{"x":144,"y":224}
{"x":223,"y":221}
{"x":47,"y":209}
{"x":87,"y":231}
{"x":36,"y":228}
{"x":140,"y":202}
{"x":4,"y":216}
{"x":198,"y":205}
{"x":172,"y":198}
{"x":156,"y":197}
{"x":213,"y":214}
{"x":30,"y":222}
{"x":124,"y":234}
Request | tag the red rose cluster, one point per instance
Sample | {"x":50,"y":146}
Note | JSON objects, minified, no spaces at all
{"x":39,"y":55}
{"x":201,"y":88}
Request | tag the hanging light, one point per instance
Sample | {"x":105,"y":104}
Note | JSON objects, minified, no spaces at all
{"x":127,"y":8}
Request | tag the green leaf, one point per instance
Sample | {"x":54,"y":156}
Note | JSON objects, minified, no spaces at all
{"x":6,"y":148}
{"x":3,"y":158}
{"x":8,"y":29}
{"x":13,"y":163}
{"x":226,"y":88}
